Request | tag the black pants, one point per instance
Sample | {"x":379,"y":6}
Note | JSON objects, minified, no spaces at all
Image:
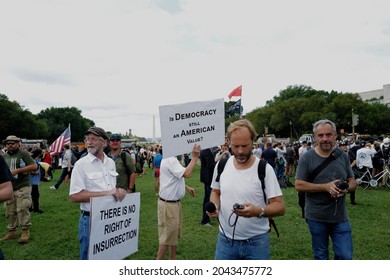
{"x":352,"y":196}
{"x":206,"y":198}
{"x":35,"y":198}
{"x":62,"y":177}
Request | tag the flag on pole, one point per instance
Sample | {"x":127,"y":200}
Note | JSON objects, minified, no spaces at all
{"x":235,"y":92}
{"x":235,"y":108}
{"x":58,"y":144}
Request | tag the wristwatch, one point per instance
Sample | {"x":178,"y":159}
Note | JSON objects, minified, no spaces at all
{"x":262,"y":213}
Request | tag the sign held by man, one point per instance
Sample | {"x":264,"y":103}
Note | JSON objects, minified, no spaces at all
{"x":186,"y":124}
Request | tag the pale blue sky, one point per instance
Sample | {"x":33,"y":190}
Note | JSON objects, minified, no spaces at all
{"x":118,"y":61}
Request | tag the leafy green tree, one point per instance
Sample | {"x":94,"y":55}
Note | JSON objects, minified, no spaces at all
{"x":58,"y":119}
{"x":15,"y":120}
{"x":302,"y":105}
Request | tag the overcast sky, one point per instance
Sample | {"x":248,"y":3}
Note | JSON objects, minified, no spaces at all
{"x":119,"y":60}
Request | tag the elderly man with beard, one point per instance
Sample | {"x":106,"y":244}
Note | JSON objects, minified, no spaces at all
{"x":325,"y":210}
{"x":93,"y":175}
{"x":248,"y":238}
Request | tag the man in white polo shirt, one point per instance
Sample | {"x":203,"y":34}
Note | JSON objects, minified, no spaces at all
{"x":93,"y":175}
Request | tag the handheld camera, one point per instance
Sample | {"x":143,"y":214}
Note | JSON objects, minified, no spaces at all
{"x":342,"y":185}
{"x":238,"y":206}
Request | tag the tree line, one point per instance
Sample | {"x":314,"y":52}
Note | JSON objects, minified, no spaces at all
{"x":294,"y":110}
{"x":289,"y":113}
{"x":47,"y":124}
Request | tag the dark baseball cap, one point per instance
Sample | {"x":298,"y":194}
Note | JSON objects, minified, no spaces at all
{"x":98,"y":131}
{"x":115,"y":137}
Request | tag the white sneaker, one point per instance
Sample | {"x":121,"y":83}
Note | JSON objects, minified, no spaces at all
{"x":53,"y":188}
{"x":208,"y":225}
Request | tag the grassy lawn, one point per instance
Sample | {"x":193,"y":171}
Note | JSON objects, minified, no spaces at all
{"x":54,"y":233}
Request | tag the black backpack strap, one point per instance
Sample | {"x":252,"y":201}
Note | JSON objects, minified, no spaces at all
{"x":261,"y":173}
{"x":221,"y":165}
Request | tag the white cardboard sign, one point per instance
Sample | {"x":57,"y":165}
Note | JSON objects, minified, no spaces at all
{"x":183,"y":125}
{"x":114,"y":227}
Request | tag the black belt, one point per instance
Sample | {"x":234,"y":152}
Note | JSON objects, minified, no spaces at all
{"x":169,"y":201}
{"x":85,"y":213}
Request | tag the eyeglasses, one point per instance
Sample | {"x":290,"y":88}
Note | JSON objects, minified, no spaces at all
{"x":115,"y":140}
{"x":87,"y":139}
{"x":10,"y":143}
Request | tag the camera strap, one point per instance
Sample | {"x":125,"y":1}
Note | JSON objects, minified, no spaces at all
{"x":324,"y":164}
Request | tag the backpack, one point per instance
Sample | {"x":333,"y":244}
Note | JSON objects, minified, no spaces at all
{"x":284,"y":182}
{"x":128,"y":172}
{"x":138,"y":164}
{"x":386,"y":151}
{"x":261,"y":175}
{"x":123,"y":157}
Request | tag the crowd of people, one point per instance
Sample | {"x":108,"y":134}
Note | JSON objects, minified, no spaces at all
{"x":236,"y":198}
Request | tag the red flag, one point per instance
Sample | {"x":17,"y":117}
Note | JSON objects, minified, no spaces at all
{"x":63,"y":139}
{"x":235,"y":92}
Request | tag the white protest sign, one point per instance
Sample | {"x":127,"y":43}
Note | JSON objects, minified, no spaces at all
{"x":114,"y":227}
{"x":183,"y":125}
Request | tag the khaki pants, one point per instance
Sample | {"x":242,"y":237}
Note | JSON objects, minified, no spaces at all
{"x":17,"y":209}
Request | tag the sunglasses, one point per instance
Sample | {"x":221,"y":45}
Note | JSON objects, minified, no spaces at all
{"x":10,"y":143}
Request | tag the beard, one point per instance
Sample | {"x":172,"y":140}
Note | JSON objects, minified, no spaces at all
{"x":243,"y":158}
{"x":326,"y":146}
{"x":93,"y":150}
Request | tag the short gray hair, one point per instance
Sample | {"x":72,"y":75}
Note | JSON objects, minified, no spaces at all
{"x":322,"y":122}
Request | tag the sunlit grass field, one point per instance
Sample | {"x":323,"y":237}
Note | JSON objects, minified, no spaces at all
{"x":54,"y":233}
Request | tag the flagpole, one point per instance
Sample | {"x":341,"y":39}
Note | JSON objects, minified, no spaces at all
{"x":241,"y":103}
{"x":70,"y":135}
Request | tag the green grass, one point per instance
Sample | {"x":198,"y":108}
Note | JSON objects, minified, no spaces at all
{"x":54,"y":233}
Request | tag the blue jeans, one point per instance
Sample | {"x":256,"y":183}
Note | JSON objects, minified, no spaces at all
{"x":280,"y":170}
{"x":341,"y":235}
{"x":84,"y":236}
{"x":255,"y":248}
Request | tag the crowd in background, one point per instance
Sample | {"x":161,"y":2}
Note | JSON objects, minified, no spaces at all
{"x":370,"y":154}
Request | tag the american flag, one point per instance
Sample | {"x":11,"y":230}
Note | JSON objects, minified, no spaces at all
{"x":64,"y":138}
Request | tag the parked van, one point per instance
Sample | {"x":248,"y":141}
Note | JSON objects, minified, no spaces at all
{"x":306,"y":137}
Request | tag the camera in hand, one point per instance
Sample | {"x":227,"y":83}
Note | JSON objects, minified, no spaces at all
{"x":342,"y":185}
{"x":238,"y":206}
{"x":210,"y":207}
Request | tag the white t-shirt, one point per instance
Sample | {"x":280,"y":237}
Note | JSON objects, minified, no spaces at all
{"x":240,"y":186}
{"x":93,"y":175}
{"x":172,"y":183}
{"x":364,"y":157}
{"x":301,"y":151}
